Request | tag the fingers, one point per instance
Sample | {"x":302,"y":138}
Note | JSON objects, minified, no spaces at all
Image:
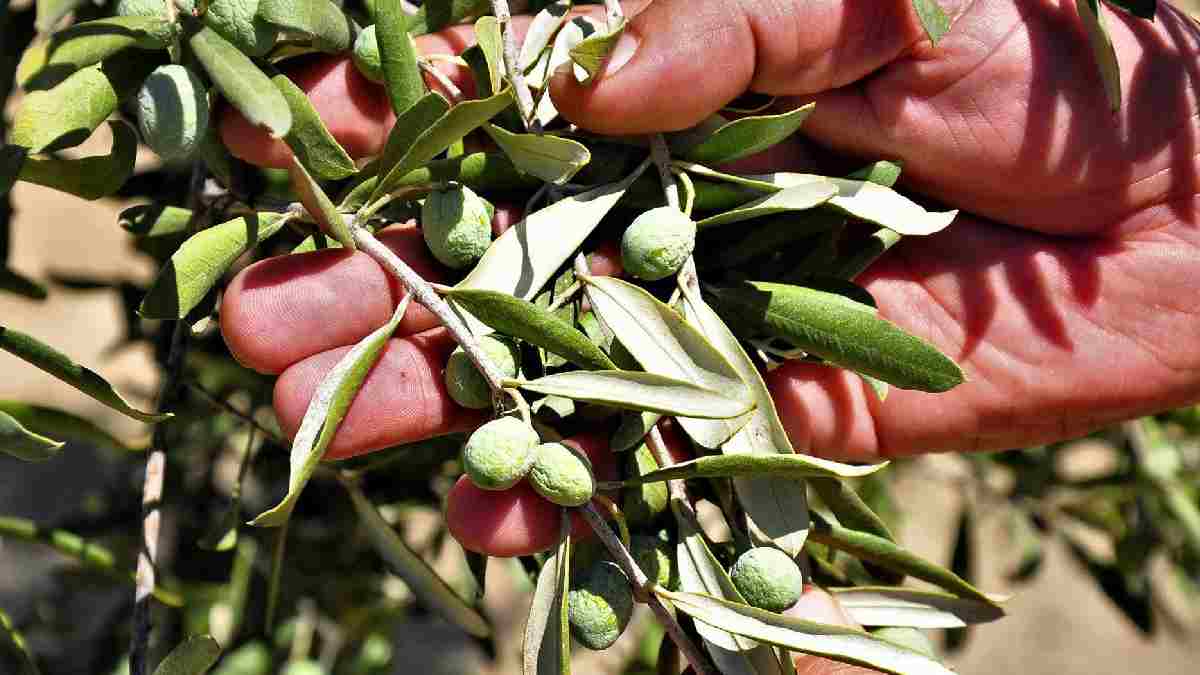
{"x":281,"y":310}
{"x":819,"y":606}
{"x":679,"y":61}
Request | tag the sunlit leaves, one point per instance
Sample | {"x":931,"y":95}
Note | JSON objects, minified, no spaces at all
{"x":309,"y":138}
{"x":640,"y":391}
{"x":193,"y":656}
{"x":87,"y":177}
{"x":321,"y":20}
{"x":747,"y":136}
{"x":398,"y":56}
{"x":19,"y":442}
{"x":242,"y":82}
{"x":547,"y":644}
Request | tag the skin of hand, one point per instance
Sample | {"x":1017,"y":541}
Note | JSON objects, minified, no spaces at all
{"x":1068,"y":296}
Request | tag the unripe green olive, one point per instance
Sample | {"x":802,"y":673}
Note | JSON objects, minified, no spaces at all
{"x":499,"y":454}
{"x":767,"y":578}
{"x":466,"y":385}
{"x":456,"y":226}
{"x":657,"y":243}
{"x":172,"y":111}
{"x":653,"y":555}
{"x":643,"y":503}
{"x":366,"y":55}
{"x":563,"y":475}
{"x":912,"y":638}
{"x":599,"y":608}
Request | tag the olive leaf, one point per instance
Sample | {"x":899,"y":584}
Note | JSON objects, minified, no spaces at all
{"x":547,"y":640}
{"x":747,"y":136}
{"x":13,"y":282}
{"x":541,"y":31}
{"x":319,"y":205}
{"x":778,"y":507}
{"x":60,"y":365}
{"x":14,"y":637}
{"x":1102,"y":50}
{"x":633,"y":390}
{"x":633,"y":428}
{"x":87,"y":43}
{"x":410,"y":124}
{"x":87,"y":177}
{"x":24,"y":444}
{"x":664,"y":344}
{"x":242,"y":83}
{"x":310,"y":139}
{"x":11,"y":159}
{"x":43,"y":420}
{"x":889,"y":606}
{"x":840,"y":330}
{"x":798,"y":197}
{"x":434,"y":16}
{"x":480,"y":171}
{"x":459,"y":121}
{"x":193,"y":656}
{"x":590,"y":53}
{"x":880,"y":242}
{"x":883,"y":172}
{"x":491,"y":44}
{"x":524,"y":320}
{"x":320,"y":20}
{"x":872,"y":548}
{"x":569,"y":35}
{"x":849,"y":645}
{"x":852,"y":512}
{"x":398,"y":56}
{"x":552,"y":158}
{"x":784,"y":467}
{"x":202,"y":260}
{"x":328,"y":407}
{"x":529,"y":253}
{"x":425,"y":583}
{"x":872,"y":202}
{"x":50,"y":11}
{"x":933,"y":19}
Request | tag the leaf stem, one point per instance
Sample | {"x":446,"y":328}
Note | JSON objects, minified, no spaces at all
{"x":515,"y":75}
{"x":661,"y":155}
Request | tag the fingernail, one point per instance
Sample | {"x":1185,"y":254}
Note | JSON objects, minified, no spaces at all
{"x":622,"y":52}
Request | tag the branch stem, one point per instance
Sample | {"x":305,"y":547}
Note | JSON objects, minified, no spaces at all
{"x":511,"y":65}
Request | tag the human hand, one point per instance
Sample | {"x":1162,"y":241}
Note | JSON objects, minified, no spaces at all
{"x":1065,"y":318}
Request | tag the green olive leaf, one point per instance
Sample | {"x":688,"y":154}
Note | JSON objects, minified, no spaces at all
{"x":912,"y":608}
{"x":1102,"y":50}
{"x":552,"y":158}
{"x":876,"y":204}
{"x":747,"y":136}
{"x":633,"y":428}
{"x":849,"y":645}
{"x":546,"y":649}
{"x":398,"y":56}
{"x":434,"y":16}
{"x":483,"y":172}
{"x":425,"y":583}
{"x":90,"y":42}
{"x":798,"y":197}
{"x":193,"y":656}
{"x":319,"y":205}
{"x":849,"y":508}
{"x":410,"y":124}
{"x":19,"y":442}
{"x":844,"y":332}
{"x":18,"y":284}
{"x":633,"y":390}
{"x":43,"y":420}
{"x":876,"y":549}
{"x":491,"y":43}
{"x":155,"y":220}
{"x":664,"y":344}
{"x":242,"y":82}
{"x":541,"y":31}
{"x":61,"y":366}
{"x":590,"y":53}
{"x":14,"y":637}
{"x":785,"y":467}
{"x":50,"y":11}
{"x":883,"y":172}
{"x":310,"y":139}
{"x":202,"y":260}
{"x":459,"y":121}
{"x":524,"y":320}
{"x":325,"y":413}
{"x":87,"y":177}
{"x":530,"y":253}
{"x":320,"y":20}
{"x":933,"y":19}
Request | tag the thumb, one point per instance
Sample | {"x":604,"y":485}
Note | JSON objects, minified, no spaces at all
{"x":679,"y":61}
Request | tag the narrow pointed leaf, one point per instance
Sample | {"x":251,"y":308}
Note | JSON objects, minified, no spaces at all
{"x":319,"y":205}
{"x":325,"y":413}
{"x":841,"y":331}
{"x":640,"y":391}
{"x":747,"y":136}
{"x":51,"y":421}
{"x":933,"y":19}
{"x":491,"y":43}
{"x":61,"y":366}
{"x":14,"y":636}
{"x":309,"y":138}
{"x":541,"y":31}
{"x":434,"y":16}
{"x":87,"y":177}
{"x":193,"y":656}
{"x":883,"y":173}
{"x":664,"y":344}
{"x":849,"y":645}
{"x":50,"y":11}
{"x":410,"y":124}
{"x":201,"y":262}
{"x":852,"y":512}
{"x":552,"y":158}
{"x":19,"y":284}
{"x":398,"y":57}
{"x":591,"y":53}
{"x":529,"y":253}
{"x":90,"y":42}
{"x":1102,"y":50}
{"x":459,"y":121}
{"x":800,"y":197}
{"x":547,"y":647}
{"x":884,"y":206}
{"x":320,"y":20}
{"x":19,"y":442}
{"x":242,"y":83}
{"x":425,"y":583}
{"x":533,"y":324}
{"x":67,"y":114}
{"x":633,"y":428}
{"x":878,"y":550}
{"x":887,"y":606}
{"x":785,"y":467}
